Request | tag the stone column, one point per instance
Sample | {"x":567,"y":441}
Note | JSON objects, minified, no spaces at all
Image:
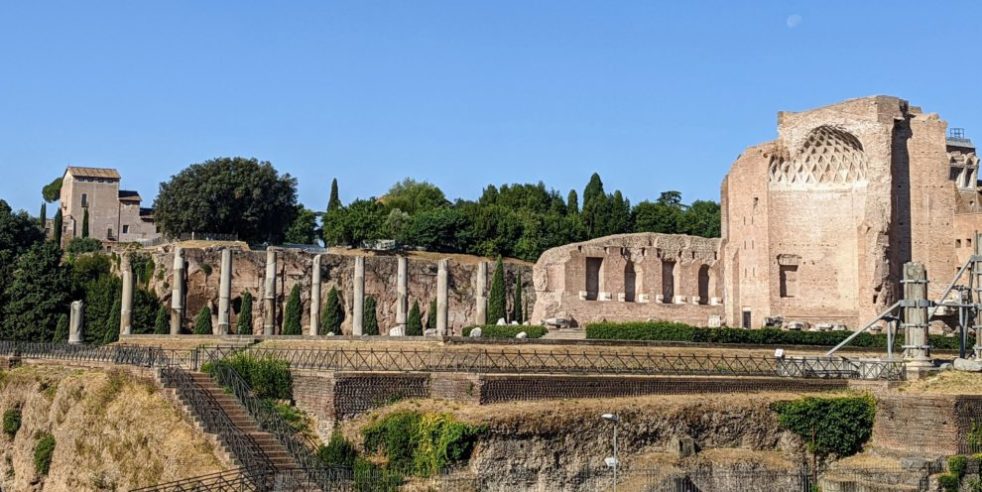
{"x":269,"y":293}
{"x":441,"y":298}
{"x":177,"y":295}
{"x":977,"y":299}
{"x":402,"y":289}
{"x":315,"y":295}
{"x":225,"y":292}
{"x":126,"y":302}
{"x":917,"y":352}
{"x":480,"y":294}
{"x":358,"y":301}
{"x":75,"y":322}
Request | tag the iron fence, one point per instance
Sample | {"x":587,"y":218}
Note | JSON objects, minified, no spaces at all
{"x":237,"y":480}
{"x":488,"y":361}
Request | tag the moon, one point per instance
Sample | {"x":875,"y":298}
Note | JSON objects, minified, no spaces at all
{"x":793,"y":20}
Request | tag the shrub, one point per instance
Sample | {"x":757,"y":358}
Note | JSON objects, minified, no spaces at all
{"x":949,"y":482}
{"x":161,"y":324}
{"x":243,"y":325}
{"x":370,"y":477}
{"x":393,"y":435}
{"x":202,"y":322}
{"x":84,"y":245}
{"x":291,"y":324}
{"x":11,"y":421}
{"x":370,"y":322}
{"x":421,"y":444}
{"x":831,"y":426}
{"x":333,"y":313}
{"x":957,"y":465}
{"x":507,"y":331}
{"x":338,"y":452}
{"x":414,"y":323}
{"x":268,"y":377}
{"x":43,"y":450}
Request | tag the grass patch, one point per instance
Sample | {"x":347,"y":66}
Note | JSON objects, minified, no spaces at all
{"x":11,"y":421}
{"x":43,"y":450}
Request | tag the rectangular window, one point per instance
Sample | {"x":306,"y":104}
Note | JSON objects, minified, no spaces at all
{"x":85,"y":200}
{"x":789,"y":280}
{"x":593,"y":277}
{"x":667,"y":281}
{"x":126,"y":229}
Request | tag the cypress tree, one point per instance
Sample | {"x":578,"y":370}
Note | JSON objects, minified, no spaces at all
{"x":202,"y":322}
{"x":57,"y":227}
{"x":572,"y":203}
{"x":161,"y":324}
{"x":333,"y":313}
{"x":371,"y":320}
{"x":334,"y":202}
{"x":291,"y":323}
{"x":243,"y":325}
{"x":431,"y":316}
{"x":414,"y":323}
{"x":36,"y":294}
{"x":496,"y":298}
{"x":61,"y":329}
{"x":44,"y":215}
{"x":517,"y":314}
{"x":111,"y":332}
{"x":85,"y":223}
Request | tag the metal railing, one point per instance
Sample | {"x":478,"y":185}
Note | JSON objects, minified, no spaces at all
{"x":215,"y":420}
{"x":237,"y":480}
{"x":484,"y":361}
{"x":112,"y":354}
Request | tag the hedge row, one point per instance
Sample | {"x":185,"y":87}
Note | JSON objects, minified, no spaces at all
{"x":678,"y":332}
{"x":507,"y":331}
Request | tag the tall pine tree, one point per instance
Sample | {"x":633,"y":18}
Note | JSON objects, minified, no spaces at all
{"x":414,"y":323}
{"x":85,"y":222}
{"x":291,"y":322}
{"x":371,"y":317}
{"x":496,"y":297}
{"x":333,"y":314}
{"x":56,"y":227}
{"x":572,"y":203}
{"x":517,"y":311}
{"x":43,"y":218}
{"x":334,"y":202}
{"x":243,"y":325}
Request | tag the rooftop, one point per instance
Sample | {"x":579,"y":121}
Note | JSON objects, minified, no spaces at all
{"x":93,"y":172}
{"x":129,"y":196}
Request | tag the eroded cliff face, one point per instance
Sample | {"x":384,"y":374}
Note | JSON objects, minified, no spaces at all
{"x":112,"y":431}
{"x":293,"y":267}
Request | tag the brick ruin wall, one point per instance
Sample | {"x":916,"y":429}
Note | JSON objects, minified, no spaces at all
{"x":933,"y":424}
{"x":294,"y":268}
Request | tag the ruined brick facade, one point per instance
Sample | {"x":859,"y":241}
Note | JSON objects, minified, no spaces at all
{"x":816,"y":226}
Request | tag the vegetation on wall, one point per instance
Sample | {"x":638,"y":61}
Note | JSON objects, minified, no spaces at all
{"x":269,"y":377}
{"x":836,"y":426}
{"x":421,"y":444}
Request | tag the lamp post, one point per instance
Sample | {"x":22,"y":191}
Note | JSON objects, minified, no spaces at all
{"x":612,"y":462}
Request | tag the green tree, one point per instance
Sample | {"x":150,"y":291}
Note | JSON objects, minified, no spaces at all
{"x":228,"y":195}
{"x":436,"y":230}
{"x":56,"y":227}
{"x":36,"y":294}
{"x":671,"y":198}
{"x":496,"y":297}
{"x":370,"y":319}
{"x":431,"y":315}
{"x":594,"y":190}
{"x":52,"y":191}
{"x":161,"y":324}
{"x":202,"y":322}
{"x":243,"y":325}
{"x":110,"y":333}
{"x":702,"y":218}
{"x":43,"y":217}
{"x":360,"y":221}
{"x":656,"y":217}
{"x":61,"y":329}
{"x":85,"y":223}
{"x":303,"y":229}
{"x":333,"y":313}
{"x":100,"y":296}
{"x":414,"y":323}
{"x":517,"y":314}
{"x":291,"y":322}
{"x":18,"y":233}
{"x":412,"y":196}
{"x":80,"y":245}
{"x":146,"y":306}
{"x":334,"y":202}
{"x":572,"y":203}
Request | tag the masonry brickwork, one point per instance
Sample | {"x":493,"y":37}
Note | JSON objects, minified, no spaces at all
{"x":114,"y":214}
{"x":937,"y":425}
{"x":816,"y":226}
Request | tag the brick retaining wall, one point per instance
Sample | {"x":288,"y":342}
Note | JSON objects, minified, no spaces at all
{"x":935,"y":424}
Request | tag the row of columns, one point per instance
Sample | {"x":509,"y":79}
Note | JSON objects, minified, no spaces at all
{"x":269,"y":294}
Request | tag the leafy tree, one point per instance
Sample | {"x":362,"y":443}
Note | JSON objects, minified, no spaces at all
{"x":61,"y":329}
{"x":161,"y":324}
{"x":111,"y":332}
{"x":370,"y":318}
{"x":414,"y":323}
{"x":671,"y":198}
{"x":594,"y":190}
{"x":572,"y":203}
{"x":243,"y":325}
{"x":291,"y":323}
{"x":57,"y":226}
{"x":37,"y":293}
{"x":334,"y":202}
{"x":303,"y":229}
{"x":431,"y":315}
{"x":496,"y":297}
{"x":146,"y":306}
{"x":412,"y":196}
{"x":18,"y":233}
{"x":43,"y":217}
{"x":202,"y":322}
{"x":85,"y":222}
{"x":333,"y":313}
{"x":396,"y":225}
{"x":228,"y":195}
{"x":436,"y":230}
{"x":83,"y":245}
{"x":702,"y":218}
{"x":100,"y":296}
{"x":360,"y":221}
{"x":517,"y":314}
{"x":52,"y":191}
{"x":656,"y":217}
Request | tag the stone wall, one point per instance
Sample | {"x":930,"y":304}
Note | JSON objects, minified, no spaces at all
{"x":933,"y":424}
{"x":293,"y":267}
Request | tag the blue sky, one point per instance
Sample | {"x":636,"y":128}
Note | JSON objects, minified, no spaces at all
{"x":653,"y":95}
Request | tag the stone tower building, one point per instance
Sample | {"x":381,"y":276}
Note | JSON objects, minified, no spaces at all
{"x":817,"y":224}
{"x":114,"y":214}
